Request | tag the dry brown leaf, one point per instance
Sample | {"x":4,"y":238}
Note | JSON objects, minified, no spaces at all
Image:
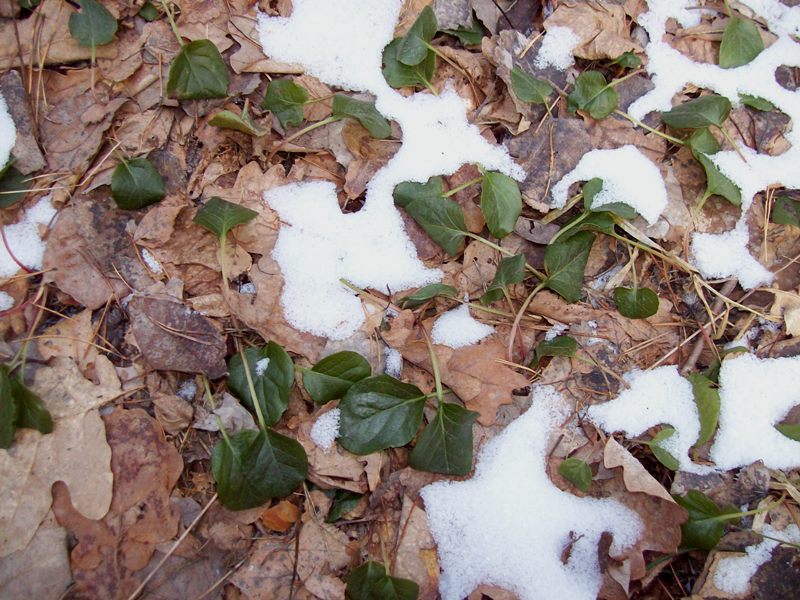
{"x":174,"y":413}
{"x":111,"y":551}
{"x":415,"y":551}
{"x":635,"y":476}
{"x":27,"y":155}
{"x":601,"y":26}
{"x":249,"y":58}
{"x":280,"y":517}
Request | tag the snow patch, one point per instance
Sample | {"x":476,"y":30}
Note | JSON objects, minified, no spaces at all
{"x":556,"y":49}
{"x":151,"y":262}
{"x":393,"y":362}
{"x":628,"y":177}
{"x":509,"y":525}
{"x":458,"y":328}
{"x":341,"y":43}
{"x":261,"y":366}
{"x":23,"y":239}
{"x":555,"y":331}
{"x":6,"y":301}
{"x":187,"y":390}
{"x":326,"y":429}
{"x":8,"y":133}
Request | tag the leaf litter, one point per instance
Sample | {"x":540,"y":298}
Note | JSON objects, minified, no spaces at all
{"x":548,"y":130}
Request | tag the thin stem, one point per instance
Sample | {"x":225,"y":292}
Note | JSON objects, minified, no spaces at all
{"x":252,"y":389}
{"x":569,"y":226}
{"x":437,"y":376}
{"x":616,"y":82}
{"x":502,"y":250}
{"x":463,"y":186}
{"x":222,"y":258}
{"x":172,"y":23}
{"x":733,"y":144}
{"x":294,"y":136}
{"x":555,"y":214}
{"x":638,"y":123}
{"x":518,"y":318}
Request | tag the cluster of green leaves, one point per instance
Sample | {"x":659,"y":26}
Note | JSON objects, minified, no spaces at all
{"x":379,"y":412}
{"x":19,"y":408}
{"x":707,"y":521}
{"x":410,"y":61}
{"x":370,"y":581}
{"x":594,"y":95}
{"x":136,"y":183}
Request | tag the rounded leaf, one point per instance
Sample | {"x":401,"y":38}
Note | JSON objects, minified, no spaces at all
{"x":331,"y":377}
{"x":636,"y":303}
{"x":272,"y":372}
{"x":136,"y":183}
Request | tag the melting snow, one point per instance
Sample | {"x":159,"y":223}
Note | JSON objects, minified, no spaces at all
{"x":8,"y":133}
{"x":6,"y":301}
{"x":556,"y":49}
{"x":261,"y":366}
{"x":23,"y":239}
{"x":458,"y":328}
{"x":393,"y":362}
{"x":326,"y":429}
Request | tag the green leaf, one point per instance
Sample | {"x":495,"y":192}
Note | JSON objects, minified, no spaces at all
{"x":593,"y":221}
{"x":136,"y":183}
{"x":700,"y":112}
{"x":627,"y":60}
{"x":469,"y":36}
{"x":8,"y":410}
{"x":663,"y":456}
{"x":399,"y":75}
{"x":253,"y":466}
{"x":501,"y":203}
{"x":413,"y":47}
{"x":562,"y":345}
{"x":703,"y":141}
{"x":510,"y":270}
{"x":786,"y":211}
{"x":594,"y":95}
{"x":271,"y":383}
{"x":370,"y":582}
{"x":285,"y":99}
{"x":408,"y":191}
{"x":422,"y":295}
{"x":756,"y":103}
{"x":442,"y":219}
{"x":706,"y":522}
{"x":220,"y":216}
{"x":577,"y":473}
{"x":528,"y":88}
{"x":379,"y":412}
{"x":31,"y":411}
{"x":94,"y":25}
{"x":790,"y":431}
{"x":365,"y":113}
{"x":13,"y":186}
{"x":741,"y":43}
{"x":593,"y":187}
{"x":331,"y":377}
{"x":716,"y":183}
{"x":706,"y":397}
{"x":225,"y":119}
{"x":343,"y":502}
{"x":445,"y":445}
{"x":198,"y":72}
{"x":636,"y":303}
{"x":149,"y":12}
{"x":565,"y":262}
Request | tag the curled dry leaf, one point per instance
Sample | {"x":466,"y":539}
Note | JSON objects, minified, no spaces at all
{"x":601,"y":26}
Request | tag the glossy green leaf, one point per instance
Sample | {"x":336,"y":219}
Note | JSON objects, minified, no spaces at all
{"x":399,"y":75}
{"x":592,"y":221}
{"x":565,"y":261}
{"x":636,"y":303}
{"x":703,"y":141}
{"x":93,"y":25}
{"x":501,"y":203}
{"x":741,"y":43}
{"x":627,"y":60}
{"x":706,"y":522}
{"x":226,"y":119}
{"x":198,"y":72}
{"x":445,"y":445}
{"x":285,"y":99}
{"x":442,"y":219}
{"x":149,"y":12}
{"x":365,"y":113}
{"x":592,"y":94}
{"x":136,"y":183}
{"x":593,"y":187}
{"x":343,"y":502}
{"x":253,"y":466}
{"x":379,"y":412}
{"x":786,"y":211}
{"x":371,"y":582}
{"x":562,"y":345}
{"x":528,"y":88}
{"x":413,"y":46}
{"x":706,"y":397}
{"x":700,"y":112}
{"x":220,"y":216}
{"x":718,"y":184}
{"x":408,"y":191}
{"x":469,"y":36}
{"x":13,"y":186}
{"x":422,"y":295}
{"x":577,"y":473}
{"x":31,"y":411}
{"x":331,"y":377}
{"x":272,"y":373}
{"x":790,"y":431}
{"x":8,"y":410}
{"x":757,"y":103}
{"x":510,"y":270}
{"x":663,"y":456}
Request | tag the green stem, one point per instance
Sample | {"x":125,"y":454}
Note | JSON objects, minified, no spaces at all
{"x":210,"y":396}
{"x":569,"y":226}
{"x":172,"y":23}
{"x":638,"y":123}
{"x":463,"y":186}
{"x":513,"y":334}
{"x":502,"y":250}
{"x":312,"y":127}
{"x":252,"y":389}
{"x":223,"y":260}
{"x":437,"y":376}
{"x":555,"y":214}
{"x":616,"y":82}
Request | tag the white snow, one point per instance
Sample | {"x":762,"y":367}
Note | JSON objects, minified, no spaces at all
{"x":556,"y":49}
{"x":341,"y":43}
{"x":187,"y":390}
{"x":6,"y":301}
{"x":628,"y":176}
{"x":659,"y":396}
{"x":555,"y":331}
{"x":24,"y":241}
{"x":8,"y":133}
{"x":151,"y":261}
{"x":326,"y":429}
{"x":458,"y":328}
{"x":733,"y":574}
{"x":509,"y":525}
{"x":726,"y":254}
{"x":261,"y":366}
{"x":247,"y":288}
{"x":393,"y":362}
{"x":755,"y":395}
